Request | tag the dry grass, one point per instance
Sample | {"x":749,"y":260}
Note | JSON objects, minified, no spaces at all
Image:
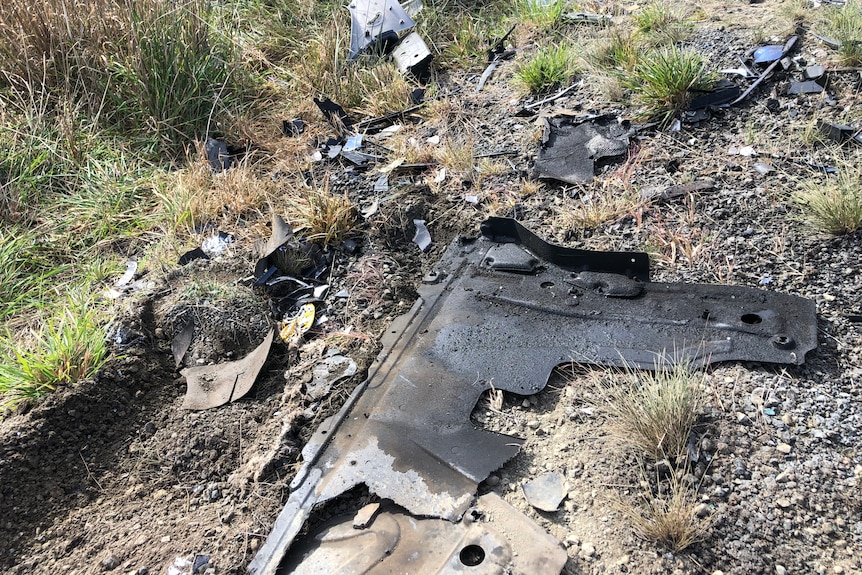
{"x":833,"y":206}
{"x":670,"y":519}
{"x":321,"y":217}
{"x":654,"y":411}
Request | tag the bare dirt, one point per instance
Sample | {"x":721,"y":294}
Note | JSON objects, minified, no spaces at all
{"x":113,"y":475}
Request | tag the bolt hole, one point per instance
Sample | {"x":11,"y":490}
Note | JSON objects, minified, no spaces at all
{"x":751,"y":318}
{"x":352,"y":462}
{"x":472,"y":555}
{"x":546,"y":284}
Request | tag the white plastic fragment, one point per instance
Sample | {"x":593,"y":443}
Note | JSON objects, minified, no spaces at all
{"x":422,"y":238}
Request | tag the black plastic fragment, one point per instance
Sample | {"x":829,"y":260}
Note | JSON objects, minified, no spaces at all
{"x":292,"y":127}
{"x":191,"y":255}
{"x":335,"y":114}
{"x":805,"y":87}
{"x":570,"y":148}
{"x":217,"y":155}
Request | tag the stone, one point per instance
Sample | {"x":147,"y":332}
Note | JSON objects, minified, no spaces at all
{"x":110,"y":562}
{"x":780,"y":570}
{"x":546,"y":492}
{"x":588,"y":549}
{"x":783,"y":448}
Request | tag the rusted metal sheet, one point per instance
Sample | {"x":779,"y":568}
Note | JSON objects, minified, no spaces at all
{"x":493,"y":539}
{"x":480,"y":322}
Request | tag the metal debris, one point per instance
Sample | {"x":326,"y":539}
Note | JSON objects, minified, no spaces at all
{"x":570,"y":148}
{"x":412,"y":56}
{"x":335,"y":115}
{"x":496,"y":541}
{"x":422,"y":237}
{"x":546,"y":492}
{"x":183,"y":340}
{"x":214,"y":385}
{"x":788,"y":46}
{"x":496,"y":54}
{"x":191,"y":255}
{"x":375,"y":22}
{"x":405,"y":433}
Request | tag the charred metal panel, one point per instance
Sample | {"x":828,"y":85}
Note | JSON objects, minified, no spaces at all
{"x":494,"y":539}
{"x":406,"y":433}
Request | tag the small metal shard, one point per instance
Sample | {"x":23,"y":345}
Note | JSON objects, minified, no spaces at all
{"x":422,"y":237}
{"x":183,"y":340}
{"x":372,"y":19}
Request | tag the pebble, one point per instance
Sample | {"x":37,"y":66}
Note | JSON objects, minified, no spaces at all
{"x":110,"y":562}
{"x":588,"y":549}
{"x":492,"y":481}
{"x":783,"y":448}
{"x":780,"y":570}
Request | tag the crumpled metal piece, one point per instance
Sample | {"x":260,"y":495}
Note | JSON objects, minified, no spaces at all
{"x":370,"y":19}
{"x":497,"y":540}
{"x":214,"y":385}
{"x":570,"y":148}
{"x":546,"y":492}
{"x":406,"y":434}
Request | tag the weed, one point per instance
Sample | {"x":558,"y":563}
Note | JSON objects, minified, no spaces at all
{"x":663,"y":78}
{"x":322,"y":217}
{"x":594,"y":208}
{"x":550,"y":67}
{"x":661,"y":24}
{"x":70,"y":347}
{"x":669,"y":519}
{"x":654,"y":411}
{"x":833,"y":206}
{"x":456,"y":155}
{"x":844,"y":24}
{"x":541,"y":13}
{"x":27,"y":267}
{"x":619,"y":51}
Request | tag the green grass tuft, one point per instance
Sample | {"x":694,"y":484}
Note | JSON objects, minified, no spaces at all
{"x":69,"y":348}
{"x":542,"y":13}
{"x":662,"y":80}
{"x":549,"y":68}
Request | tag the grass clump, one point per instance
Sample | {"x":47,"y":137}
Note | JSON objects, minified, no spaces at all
{"x":549,"y":68}
{"x":68,"y":348}
{"x":661,"y":24}
{"x":844,"y":24}
{"x":670,"y":518}
{"x":833,"y":206}
{"x":541,"y":13}
{"x":322,"y":217}
{"x":662,"y":81}
{"x":654,"y":411}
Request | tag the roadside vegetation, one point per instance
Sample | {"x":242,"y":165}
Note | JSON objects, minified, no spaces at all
{"x":653,"y":414}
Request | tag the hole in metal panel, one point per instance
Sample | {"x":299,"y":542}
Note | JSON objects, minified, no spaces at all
{"x":472,"y":555}
{"x":751,"y":318}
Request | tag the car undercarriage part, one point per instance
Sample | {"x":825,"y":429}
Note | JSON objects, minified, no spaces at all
{"x":502,"y":311}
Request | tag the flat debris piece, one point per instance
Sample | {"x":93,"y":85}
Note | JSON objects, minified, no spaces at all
{"x":214,"y":385}
{"x":497,"y":541}
{"x":405,"y":433}
{"x":570,"y":148}
{"x":183,"y":340}
{"x":546,"y":492}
